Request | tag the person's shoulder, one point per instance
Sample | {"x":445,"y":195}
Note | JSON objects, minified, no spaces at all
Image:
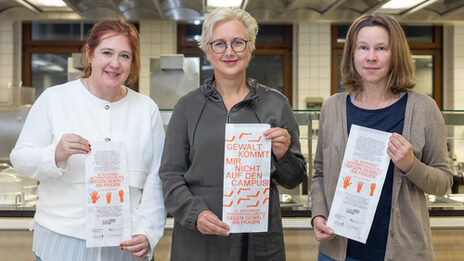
{"x":142,"y":99}
{"x":335,"y":99}
{"x":191,"y":98}
{"x":420,"y":100}
{"x":67,"y":89}
{"x":267,"y":93}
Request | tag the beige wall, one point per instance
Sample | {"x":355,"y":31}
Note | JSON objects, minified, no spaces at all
{"x":313,"y":63}
{"x":10,"y":58}
{"x":156,"y":38}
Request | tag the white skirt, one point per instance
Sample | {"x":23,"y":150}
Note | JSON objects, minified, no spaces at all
{"x":51,"y":246}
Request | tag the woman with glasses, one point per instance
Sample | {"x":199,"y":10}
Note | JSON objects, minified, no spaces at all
{"x":192,"y":166}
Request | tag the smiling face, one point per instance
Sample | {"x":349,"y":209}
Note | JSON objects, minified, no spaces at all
{"x":230,"y":63}
{"x":372,"y":56}
{"x":111,"y":62}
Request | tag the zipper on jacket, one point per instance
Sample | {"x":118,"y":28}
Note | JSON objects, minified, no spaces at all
{"x":228,"y":117}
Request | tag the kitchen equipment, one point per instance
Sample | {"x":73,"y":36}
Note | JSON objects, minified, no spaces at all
{"x":11,"y":188}
{"x":17,"y":189}
{"x":11,"y":121}
{"x":171,"y":77}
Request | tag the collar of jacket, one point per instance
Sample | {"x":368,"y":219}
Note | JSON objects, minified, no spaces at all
{"x":212,"y":93}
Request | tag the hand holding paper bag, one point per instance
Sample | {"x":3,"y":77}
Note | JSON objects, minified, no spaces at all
{"x":138,"y":246}
{"x":70,"y":144}
{"x":209,"y":224}
{"x":281,"y":140}
{"x":400,"y":152}
{"x":322,"y":232}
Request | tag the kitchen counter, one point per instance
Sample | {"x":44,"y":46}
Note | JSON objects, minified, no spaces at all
{"x":445,"y":212}
{"x":297,"y":206}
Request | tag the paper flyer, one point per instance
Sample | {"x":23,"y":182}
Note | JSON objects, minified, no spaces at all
{"x":360,"y":183}
{"x":107,"y":195}
{"x":247,"y":168}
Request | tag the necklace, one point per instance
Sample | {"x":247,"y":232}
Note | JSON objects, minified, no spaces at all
{"x":87,"y":86}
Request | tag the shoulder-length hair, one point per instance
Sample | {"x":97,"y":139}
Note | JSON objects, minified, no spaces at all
{"x":108,"y":28}
{"x":401,"y":72}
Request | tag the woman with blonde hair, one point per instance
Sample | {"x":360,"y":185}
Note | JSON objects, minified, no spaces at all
{"x":192,"y":168}
{"x":378,"y":73}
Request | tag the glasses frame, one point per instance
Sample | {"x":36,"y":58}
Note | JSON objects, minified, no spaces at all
{"x":227,"y":45}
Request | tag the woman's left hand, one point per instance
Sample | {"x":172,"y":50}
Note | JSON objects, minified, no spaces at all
{"x":138,"y":246}
{"x":400,"y":151}
{"x":281,"y":140}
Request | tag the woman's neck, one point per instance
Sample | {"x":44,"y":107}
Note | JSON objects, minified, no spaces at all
{"x":107,"y":94}
{"x":232,"y":90}
{"x":375,"y":98}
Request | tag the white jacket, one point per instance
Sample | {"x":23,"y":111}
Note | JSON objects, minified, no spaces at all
{"x":71,"y":109}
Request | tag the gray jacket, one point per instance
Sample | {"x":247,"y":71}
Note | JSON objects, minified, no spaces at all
{"x":192,"y":170}
{"x":409,"y":231}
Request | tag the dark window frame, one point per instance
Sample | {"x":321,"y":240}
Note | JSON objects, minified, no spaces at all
{"x":430,"y":48}
{"x":30,"y":46}
{"x":284,"y":48}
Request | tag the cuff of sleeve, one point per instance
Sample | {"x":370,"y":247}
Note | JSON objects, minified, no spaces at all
{"x":195,"y":217}
{"x":312,"y":219}
{"x":414,"y":173}
{"x":52,"y":169}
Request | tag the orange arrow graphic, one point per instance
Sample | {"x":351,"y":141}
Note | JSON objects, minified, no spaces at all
{"x":241,"y":135}
{"x":250,"y":206}
{"x":265,"y":191}
{"x":230,"y":195}
{"x":229,"y":204}
{"x":254,"y":196}
{"x":233,"y":138}
{"x":240,"y":199}
{"x":265,"y":199}
{"x":256,"y":140}
{"x":240,"y":190}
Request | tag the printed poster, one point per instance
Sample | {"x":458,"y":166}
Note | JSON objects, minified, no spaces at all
{"x":107,"y":195}
{"x":360,"y":183}
{"x":247,"y":168}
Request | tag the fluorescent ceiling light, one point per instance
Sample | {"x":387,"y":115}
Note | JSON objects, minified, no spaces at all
{"x":401,"y":4}
{"x":223,"y":3}
{"x":42,"y":3}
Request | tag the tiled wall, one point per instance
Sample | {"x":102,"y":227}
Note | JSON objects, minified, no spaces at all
{"x":156,"y":38}
{"x":313,"y":61}
{"x":453,"y":79}
{"x":6,"y":58}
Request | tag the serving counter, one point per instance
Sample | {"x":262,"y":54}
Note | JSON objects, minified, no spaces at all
{"x":447,"y":213}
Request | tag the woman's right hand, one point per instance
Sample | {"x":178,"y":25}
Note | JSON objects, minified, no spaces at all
{"x":70,"y":144}
{"x":322,"y":232}
{"x":209,"y":224}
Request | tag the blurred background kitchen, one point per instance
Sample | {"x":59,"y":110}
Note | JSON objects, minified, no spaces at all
{"x":298,"y":50}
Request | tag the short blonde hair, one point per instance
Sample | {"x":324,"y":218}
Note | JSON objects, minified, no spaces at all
{"x":400,"y":75}
{"x":225,"y":14}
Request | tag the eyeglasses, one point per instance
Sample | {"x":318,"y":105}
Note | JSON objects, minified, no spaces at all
{"x":238,"y":45}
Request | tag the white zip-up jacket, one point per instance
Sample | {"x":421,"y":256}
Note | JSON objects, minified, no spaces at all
{"x":71,"y":109}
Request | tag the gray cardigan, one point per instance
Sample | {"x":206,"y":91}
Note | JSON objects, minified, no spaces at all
{"x":192,"y":169}
{"x":409,"y":235}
